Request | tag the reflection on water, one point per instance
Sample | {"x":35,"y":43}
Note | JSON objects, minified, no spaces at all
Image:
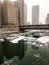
{"x":11,"y":50}
{"x":44,"y":52}
{"x":1,"y":53}
{"x":23,"y":53}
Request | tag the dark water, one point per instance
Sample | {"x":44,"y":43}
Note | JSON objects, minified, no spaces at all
{"x":24,"y":53}
{"x":1,"y":54}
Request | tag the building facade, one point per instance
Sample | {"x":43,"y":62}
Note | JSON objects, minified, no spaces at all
{"x":47,"y":19}
{"x":20,"y":5}
{"x":10,"y":13}
{"x":35,"y":14}
{"x":21,"y":11}
{"x":25,"y":14}
{"x":10,"y":16}
{"x":0,"y":14}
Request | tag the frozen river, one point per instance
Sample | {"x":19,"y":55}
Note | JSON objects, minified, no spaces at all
{"x":24,"y":52}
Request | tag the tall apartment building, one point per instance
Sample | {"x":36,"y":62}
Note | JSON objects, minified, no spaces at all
{"x":25,"y":14}
{"x":47,"y":19}
{"x":20,"y":5}
{"x":10,"y":13}
{"x":35,"y":14}
{"x":21,"y":11}
{"x":0,"y":14}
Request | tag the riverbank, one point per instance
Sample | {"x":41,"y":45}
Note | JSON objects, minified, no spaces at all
{"x":8,"y":30}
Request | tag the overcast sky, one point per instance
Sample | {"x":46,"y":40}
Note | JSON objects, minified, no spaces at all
{"x":44,"y":9}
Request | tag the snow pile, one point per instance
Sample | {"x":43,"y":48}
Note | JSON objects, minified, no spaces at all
{"x":43,"y":39}
{"x":18,"y":39}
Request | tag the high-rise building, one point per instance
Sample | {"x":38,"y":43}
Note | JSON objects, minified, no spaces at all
{"x":35,"y":14}
{"x":10,"y":13}
{"x":21,"y":11}
{"x":0,"y":14}
{"x":25,"y":14}
{"x":15,"y":3}
{"x":20,"y":5}
{"x":47,"y":19}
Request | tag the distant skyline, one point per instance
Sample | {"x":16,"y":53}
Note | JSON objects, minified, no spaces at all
{"x":44,"y":9}
{"x":35,"y":14}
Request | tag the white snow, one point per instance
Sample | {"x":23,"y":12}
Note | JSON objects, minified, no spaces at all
{"x":31,"y":39}
{"x":43,"y":39}
{"x":33,"y":43}
{"x":1,"y":40}
{"x":10,"y":38}
{"x":17,"y":39}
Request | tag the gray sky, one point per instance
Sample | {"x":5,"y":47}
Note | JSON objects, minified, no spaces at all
{"x":44,"y":9}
